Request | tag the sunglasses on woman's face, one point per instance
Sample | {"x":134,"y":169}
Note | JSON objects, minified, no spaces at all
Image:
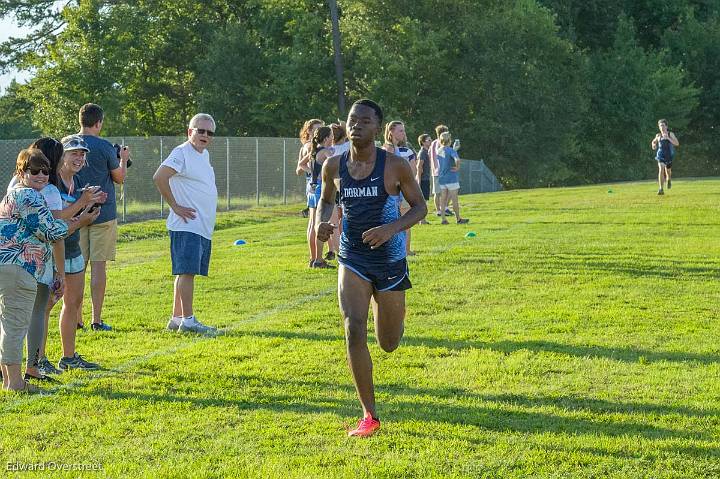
{"x":37,"y":171}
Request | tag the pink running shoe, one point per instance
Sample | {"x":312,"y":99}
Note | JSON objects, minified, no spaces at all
{"x":366,"y":427}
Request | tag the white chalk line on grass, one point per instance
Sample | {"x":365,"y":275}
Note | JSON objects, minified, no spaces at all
{"x":128,"y":365}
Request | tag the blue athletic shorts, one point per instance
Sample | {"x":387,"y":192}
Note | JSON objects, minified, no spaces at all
{"x":190,"y":253}
{"x":313,"y":195}
{"x":390,"y":277}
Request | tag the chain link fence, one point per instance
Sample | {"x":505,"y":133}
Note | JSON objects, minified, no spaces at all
{"x":248,"y":171}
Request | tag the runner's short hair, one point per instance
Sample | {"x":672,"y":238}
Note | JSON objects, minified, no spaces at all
{"x":440,"y":129}
{"x":376,"y":108}
{"x":422,"y":139}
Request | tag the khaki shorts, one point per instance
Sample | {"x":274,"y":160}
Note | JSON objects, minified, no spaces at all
{"x":436,"y":185}
{"x":450,"y":186}
{"x":17,"y":297}
{"x":98,"y":242}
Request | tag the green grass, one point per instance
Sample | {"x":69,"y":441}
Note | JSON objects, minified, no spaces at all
{"x":139,"y":210}
{"x":575,"y":336}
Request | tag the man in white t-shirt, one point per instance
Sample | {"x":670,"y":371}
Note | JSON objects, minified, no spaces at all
{"x":186,"y":181}
{"x":435,"y":166}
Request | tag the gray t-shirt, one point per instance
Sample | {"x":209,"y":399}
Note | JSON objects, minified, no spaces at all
{"x":100,"y":161}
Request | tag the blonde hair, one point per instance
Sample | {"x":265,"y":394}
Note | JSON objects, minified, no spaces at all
{"x":389,"y":126}
{"x":445,"y":138}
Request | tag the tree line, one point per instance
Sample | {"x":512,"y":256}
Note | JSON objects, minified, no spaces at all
{"x":547,"y":92}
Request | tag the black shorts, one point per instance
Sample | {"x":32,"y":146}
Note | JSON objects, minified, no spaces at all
{"x":390,"y":277}
{"x":668,"y":164}
{"x":425,"y":188}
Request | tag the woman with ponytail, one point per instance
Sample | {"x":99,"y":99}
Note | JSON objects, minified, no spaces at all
{"x":319,"y":152}
{"x":396,"y":143}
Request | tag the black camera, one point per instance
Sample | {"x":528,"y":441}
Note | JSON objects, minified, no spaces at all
{"x":118,"y":149}
{"x":95,"y":205}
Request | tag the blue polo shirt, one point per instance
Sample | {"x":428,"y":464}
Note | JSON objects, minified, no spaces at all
{"x":100,"y":161}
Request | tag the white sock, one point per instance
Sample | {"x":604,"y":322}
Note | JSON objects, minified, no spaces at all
{"x":188,"y":320}
{"x":176,"y":319}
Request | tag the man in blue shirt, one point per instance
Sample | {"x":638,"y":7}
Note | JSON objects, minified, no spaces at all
{"x":102,"y":168}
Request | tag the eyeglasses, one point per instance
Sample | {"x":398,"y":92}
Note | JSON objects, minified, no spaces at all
{"x":203,"y":131}
{"x":37,"y":171}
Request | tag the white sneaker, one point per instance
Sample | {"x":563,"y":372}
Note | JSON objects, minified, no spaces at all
{"x":174,"y":324}
{"x":192,"y":325}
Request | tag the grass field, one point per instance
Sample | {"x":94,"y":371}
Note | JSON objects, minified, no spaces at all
{"x":575,"y":336}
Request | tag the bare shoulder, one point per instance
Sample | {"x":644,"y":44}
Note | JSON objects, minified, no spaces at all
{"x":332,"y":164}
{"x":396,"y":163}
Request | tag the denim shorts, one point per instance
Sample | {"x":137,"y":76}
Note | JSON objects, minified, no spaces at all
{"x":74,"y":265}
{"x":190,"y":253}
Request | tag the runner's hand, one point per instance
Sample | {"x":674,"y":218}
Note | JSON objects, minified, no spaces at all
{"x":324,"y":230}
{"x":376,"y":237}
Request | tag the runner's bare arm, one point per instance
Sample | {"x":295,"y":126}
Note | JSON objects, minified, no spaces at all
{"x":325,"y":209}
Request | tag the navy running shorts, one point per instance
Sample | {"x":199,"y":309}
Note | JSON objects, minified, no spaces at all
{"x":390,"y":277}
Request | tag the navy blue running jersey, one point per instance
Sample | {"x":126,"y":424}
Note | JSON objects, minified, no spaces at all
{"x":365,"y":205}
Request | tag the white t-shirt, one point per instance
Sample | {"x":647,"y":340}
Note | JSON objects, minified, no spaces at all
{"x":50,"y":193}
{"x":405,"y":152}
{"x":193,"y":187}
{"x":341,"y":148}
{"x":434,"y":164}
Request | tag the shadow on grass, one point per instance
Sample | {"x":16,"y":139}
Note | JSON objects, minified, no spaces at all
{"x":613,"y":265}
{"x":625,"y":354}
{"x":419,"y":405}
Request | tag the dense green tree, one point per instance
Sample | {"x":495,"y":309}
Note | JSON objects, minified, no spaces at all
{"x":695,"y":46}
{"x":546,"y":91}
{"x":15,"y":120}
{"x":629,"y":90}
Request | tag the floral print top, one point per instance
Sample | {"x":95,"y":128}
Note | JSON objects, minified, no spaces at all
{"x":27,"y":229}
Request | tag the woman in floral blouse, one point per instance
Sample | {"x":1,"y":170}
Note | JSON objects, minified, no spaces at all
{"x":27,"y":229}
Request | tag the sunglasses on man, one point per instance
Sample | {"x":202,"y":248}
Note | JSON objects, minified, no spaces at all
{"x":203,"y":131}
{"x":37,"y":171}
